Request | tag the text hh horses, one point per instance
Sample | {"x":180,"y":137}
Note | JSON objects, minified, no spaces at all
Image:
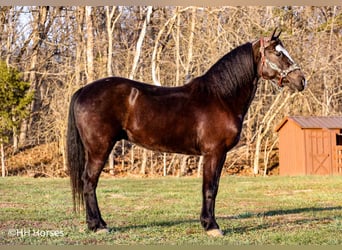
{"x":203,"y":117}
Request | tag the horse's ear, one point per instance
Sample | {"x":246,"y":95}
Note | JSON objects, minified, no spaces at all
{"x":274,"y":36}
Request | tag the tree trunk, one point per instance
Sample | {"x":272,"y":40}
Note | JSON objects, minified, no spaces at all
{"x":140,"y":42}
{"x":144,"y":162}
{"x":41,"y":27}
{"x":90,"y":43}
{"x":190,"y":46}
{"x":199,"y":166}
{"x":3,"y":167}
{"x":79,"y":66}
{"x":183,"y":162}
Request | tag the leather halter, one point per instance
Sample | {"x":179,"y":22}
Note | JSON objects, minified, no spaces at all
{"x":282,"y":73}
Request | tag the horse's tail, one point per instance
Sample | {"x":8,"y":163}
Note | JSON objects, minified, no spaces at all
{"x":75,"y":157}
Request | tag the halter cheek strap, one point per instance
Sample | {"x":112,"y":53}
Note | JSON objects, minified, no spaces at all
{"x":262,"y":52}
{"x":264,"y":60}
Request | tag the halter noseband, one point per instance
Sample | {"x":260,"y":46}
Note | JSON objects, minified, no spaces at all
{"x":283,"y":73}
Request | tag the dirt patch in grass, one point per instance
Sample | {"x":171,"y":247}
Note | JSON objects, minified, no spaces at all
{"x":12,"y":205}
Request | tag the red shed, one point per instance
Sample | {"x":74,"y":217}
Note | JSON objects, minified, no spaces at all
{"x":310,"y":145}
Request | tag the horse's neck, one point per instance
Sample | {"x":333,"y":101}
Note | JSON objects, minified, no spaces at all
{"x":250,"y":97}
{"x":241,"y":102}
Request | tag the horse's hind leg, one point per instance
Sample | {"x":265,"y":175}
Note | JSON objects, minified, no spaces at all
{"x":90,"y":179}
{"x":96,"y":158}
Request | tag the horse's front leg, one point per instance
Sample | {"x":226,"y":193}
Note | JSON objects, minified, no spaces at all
{"x":212,"y":168}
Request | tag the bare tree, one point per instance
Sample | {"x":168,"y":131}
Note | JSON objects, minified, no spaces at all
{"x":167,"y":46}
{"x":89,"y":43}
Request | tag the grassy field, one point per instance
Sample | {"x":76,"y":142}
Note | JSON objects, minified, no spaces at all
{"x":250,"y":211}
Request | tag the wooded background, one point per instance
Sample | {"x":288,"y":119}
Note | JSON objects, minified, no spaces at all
{"x":60,"y":49}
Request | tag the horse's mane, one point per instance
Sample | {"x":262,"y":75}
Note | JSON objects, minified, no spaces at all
{"x":230,"y":73}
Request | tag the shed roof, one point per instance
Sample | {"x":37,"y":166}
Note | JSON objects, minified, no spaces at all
{"x":329,"y":122}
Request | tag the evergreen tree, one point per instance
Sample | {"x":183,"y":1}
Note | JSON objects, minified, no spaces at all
{"x":14,"y":99}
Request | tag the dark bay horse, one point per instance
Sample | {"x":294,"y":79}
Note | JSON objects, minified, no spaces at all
{"x":203,"y":117}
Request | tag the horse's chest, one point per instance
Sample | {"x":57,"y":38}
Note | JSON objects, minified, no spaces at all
{"x":219,"y":129}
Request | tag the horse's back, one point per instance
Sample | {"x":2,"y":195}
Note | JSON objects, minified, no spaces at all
{"x":119,"y":100}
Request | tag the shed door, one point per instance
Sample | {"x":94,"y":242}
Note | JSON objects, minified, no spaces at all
{"x":338,"y":154}
{"x":318,"y":152}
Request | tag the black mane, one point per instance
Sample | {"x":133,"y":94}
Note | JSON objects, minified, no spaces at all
{"x":230,"y":73}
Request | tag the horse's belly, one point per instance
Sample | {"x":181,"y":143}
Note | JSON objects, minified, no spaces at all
{"x":163,"y":141}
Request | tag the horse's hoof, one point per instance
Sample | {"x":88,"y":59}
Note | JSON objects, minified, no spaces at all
{"x":215,"y":233}
{"x":102,"y":231}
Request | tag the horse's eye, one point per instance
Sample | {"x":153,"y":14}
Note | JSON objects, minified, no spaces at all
{"x":277,"y":53}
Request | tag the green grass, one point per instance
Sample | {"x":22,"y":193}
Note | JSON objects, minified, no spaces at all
{"x":250,"y":211}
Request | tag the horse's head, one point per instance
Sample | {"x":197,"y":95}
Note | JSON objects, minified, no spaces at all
{"x":275,"y":63}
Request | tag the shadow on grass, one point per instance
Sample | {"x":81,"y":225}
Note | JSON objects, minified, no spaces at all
{"x":152,"y":224}
{"x":285,"y":212}
{"x":241,"y":229}
{"x":273,"y":224}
